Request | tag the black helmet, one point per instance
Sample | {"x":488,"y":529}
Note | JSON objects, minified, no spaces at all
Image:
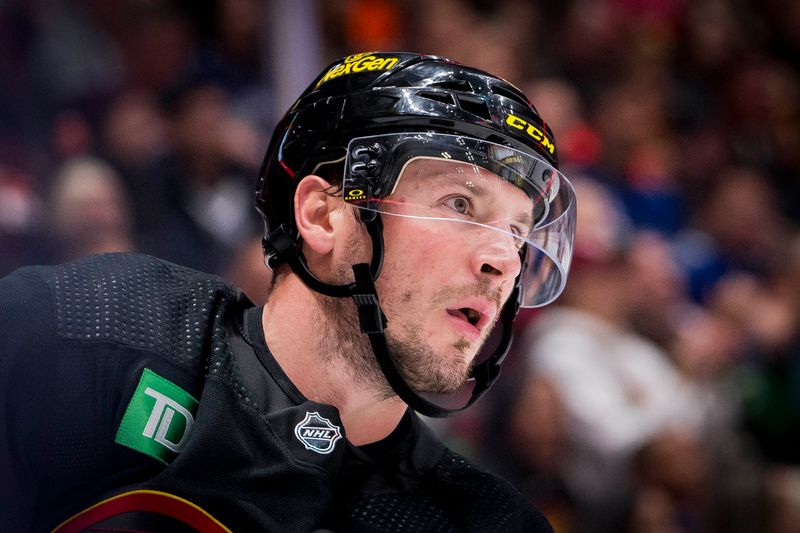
{"x":347,"y":126}
{"x":391,"y":92}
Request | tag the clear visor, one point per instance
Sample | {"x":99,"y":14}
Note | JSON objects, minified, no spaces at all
{"x":514,"y":209}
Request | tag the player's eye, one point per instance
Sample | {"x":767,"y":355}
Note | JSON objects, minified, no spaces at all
{"x":459,"y":204}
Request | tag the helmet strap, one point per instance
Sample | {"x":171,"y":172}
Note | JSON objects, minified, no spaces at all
{"x":283,"y":248}
{"x":372,"y":322}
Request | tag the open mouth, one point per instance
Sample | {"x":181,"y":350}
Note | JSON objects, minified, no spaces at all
{"x":467,"y":313}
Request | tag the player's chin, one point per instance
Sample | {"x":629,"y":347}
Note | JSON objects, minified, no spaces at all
{"x":446,"y":386}
{"x":447,"y":377}
{"x":467,"y":352}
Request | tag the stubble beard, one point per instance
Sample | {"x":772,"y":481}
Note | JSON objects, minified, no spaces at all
{"x":421,"y":367}
{"x":342,"y":344}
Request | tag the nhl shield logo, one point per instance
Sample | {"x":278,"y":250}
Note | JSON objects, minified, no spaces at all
{"x":317,"y":433}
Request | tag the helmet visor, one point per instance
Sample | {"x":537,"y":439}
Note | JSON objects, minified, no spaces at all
{"x":485,"y":193}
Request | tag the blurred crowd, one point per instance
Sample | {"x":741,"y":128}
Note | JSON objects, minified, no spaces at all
{"x":661,"y":393}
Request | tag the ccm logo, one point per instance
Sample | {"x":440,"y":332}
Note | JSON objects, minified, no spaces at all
{"x":532,"y":131}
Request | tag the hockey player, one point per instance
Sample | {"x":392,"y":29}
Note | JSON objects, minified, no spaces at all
{"x":411,"y":206}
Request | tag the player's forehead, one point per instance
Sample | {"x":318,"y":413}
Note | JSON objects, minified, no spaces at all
{"x":429,"y":168}
{"x":430,"y":175}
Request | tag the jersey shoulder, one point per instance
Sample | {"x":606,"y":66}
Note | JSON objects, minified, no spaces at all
{"x":25,"y":303}
{"x":134,"y":300}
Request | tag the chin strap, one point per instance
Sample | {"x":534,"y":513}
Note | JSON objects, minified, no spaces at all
{"x":373,"y":321}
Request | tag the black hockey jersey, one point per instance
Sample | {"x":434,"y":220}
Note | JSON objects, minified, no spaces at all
{"x":139,"y":395}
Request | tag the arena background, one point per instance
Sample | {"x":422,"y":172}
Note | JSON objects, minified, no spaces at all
{"x":661,"y":393}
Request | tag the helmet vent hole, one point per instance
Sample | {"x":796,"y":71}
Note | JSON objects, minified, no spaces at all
{"x":475,"y":106}
{"x":445,"y":98}
{"x":454,"y":85}
{"x":511,"y":95}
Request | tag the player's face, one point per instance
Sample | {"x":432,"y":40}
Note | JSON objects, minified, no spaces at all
{"x":445,"y":281}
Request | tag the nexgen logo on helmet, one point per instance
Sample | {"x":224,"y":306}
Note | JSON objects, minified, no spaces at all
{"x":359,"y":63}
{"x":532,"y":130}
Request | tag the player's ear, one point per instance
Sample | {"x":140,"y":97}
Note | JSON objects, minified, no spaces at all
{"x":313,"y":212}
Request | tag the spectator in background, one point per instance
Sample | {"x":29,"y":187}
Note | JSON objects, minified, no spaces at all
{"x":72,"y":135}
{"x":76,"y":60}
{"x":675,"y":473}
{"x":89,"y":211}
{"x":766,"y":311}
{"x":231,"y":49}
{"x":762,"y":110}
{"x":21,"y":212}
{"x":208,"y":211}
{"x":156,"y":39}
{"x":621,"y":392}
{"x":469,"y":30}
{"x":738,"y":227}
{"x":579,"y":143}
{"x":231,"y":53}
{"x":705,"y":347}
{"x":134,"y":138}
{"x":524,"y":439}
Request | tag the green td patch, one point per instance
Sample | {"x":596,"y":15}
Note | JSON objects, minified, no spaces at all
{"x":158,"y":419}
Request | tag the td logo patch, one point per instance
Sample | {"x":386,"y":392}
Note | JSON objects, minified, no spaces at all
{"x":317,"y":433}
{"x":158,"y":419}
